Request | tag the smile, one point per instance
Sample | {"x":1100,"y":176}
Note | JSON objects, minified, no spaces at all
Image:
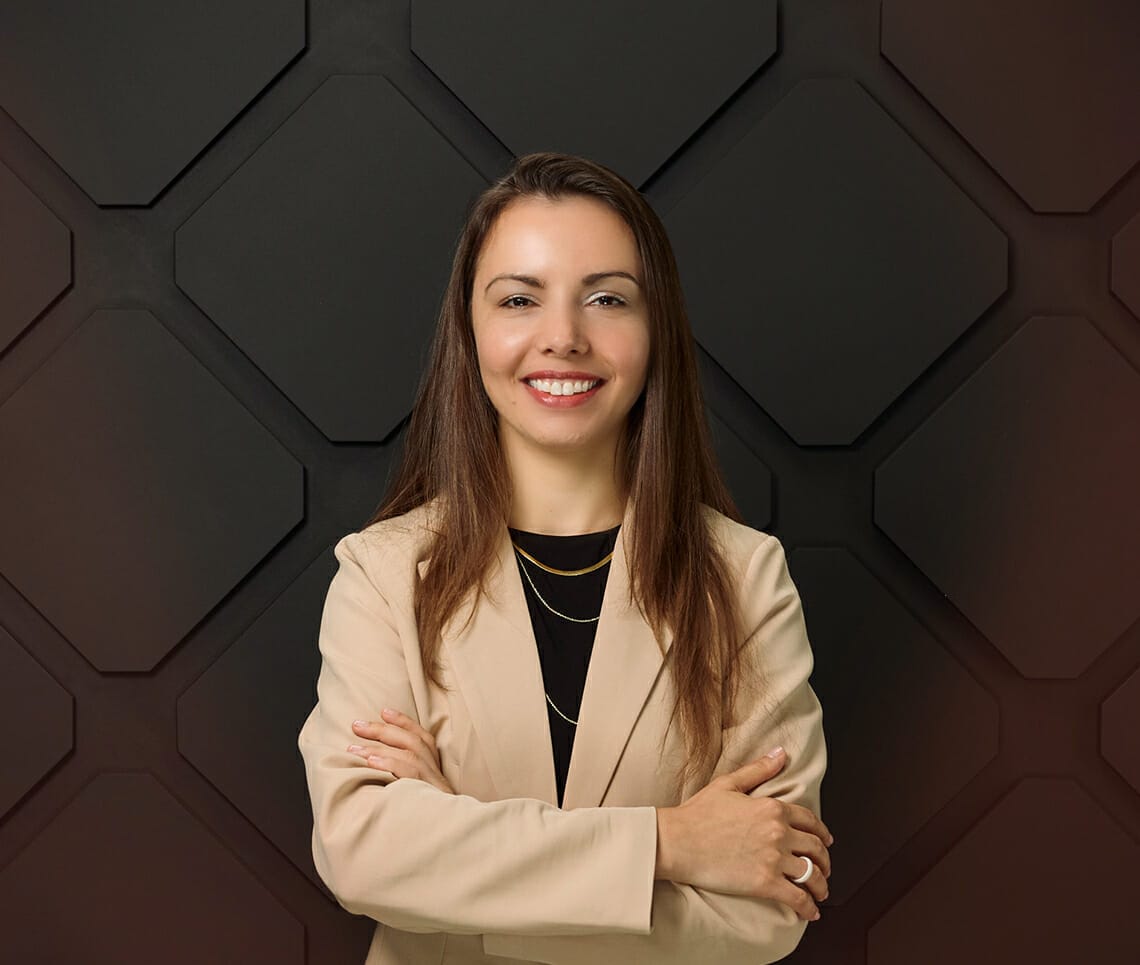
{"x":555,"y":395}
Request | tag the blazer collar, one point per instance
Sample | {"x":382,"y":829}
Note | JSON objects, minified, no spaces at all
{"x":496,"y":666}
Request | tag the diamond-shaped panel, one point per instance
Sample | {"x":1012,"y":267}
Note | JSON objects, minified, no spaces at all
{"x":35,"y":721}
{"x":136,"y":490}
{"x":1017,"y":497}
{"x":934,"y":731}
{"x":827,"y":208}
{"x":1045,"y":92}
{"x":35,"y":256}
{"x":748,"y":479}
{"x":1126,"y":265}
{"x":1016,"y":889}
{"x":124,"y":95}
{"x":1119,"y":727}
{"x":124,"y":874}
{"x":325,"y":256}
{"x":242,"y":734}
{"x":619,"y":81}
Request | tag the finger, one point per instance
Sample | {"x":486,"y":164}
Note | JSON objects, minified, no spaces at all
{"x":380,"y":762}
{"x":391,"y":734}
{"x":748,"y":776}
{"x":409,"y":723}
{"x":804,"y":842}
{"x":793,"y":866}
{"x":367,"y":750}
{"x":806,"y":820}
{"x":798,"y":898}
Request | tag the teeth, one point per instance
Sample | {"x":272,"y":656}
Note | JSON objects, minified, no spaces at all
{"x":562,"y":388}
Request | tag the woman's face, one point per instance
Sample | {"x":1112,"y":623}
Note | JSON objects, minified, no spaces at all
{"x":574,"y":320}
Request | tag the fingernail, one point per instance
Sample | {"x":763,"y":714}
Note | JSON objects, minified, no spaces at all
{"x":388,"y":712}
{"x":359,"y":723}
{"x":354,"y":748}
{"x":815,"y":917}
{"x":775,"y":752}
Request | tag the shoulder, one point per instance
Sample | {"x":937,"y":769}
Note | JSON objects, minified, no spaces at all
{"x":391,"y":547}
{"x":739,"y":542}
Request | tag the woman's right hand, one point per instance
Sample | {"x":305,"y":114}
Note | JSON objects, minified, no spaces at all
{"x":723,"y":840}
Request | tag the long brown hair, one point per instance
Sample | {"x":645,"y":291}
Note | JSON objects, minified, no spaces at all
{"x":678,"y":576}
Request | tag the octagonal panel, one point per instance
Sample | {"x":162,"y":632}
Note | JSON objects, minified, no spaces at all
{"x":829,"y":261}
{"x":124,"y":95}
{"x":35,"y":256}
{"x":748,"y":479}
{"x":1046,"y":93}
{"x":325,"y":256}
{"x":1017,"y":497}
{"x":1119,"y":727}
{"x":242,"y":734}
{"x":124,"y":874}
{"x":1126,"y":265}
{"x":1016,"y":889}
{"x":589,"y":78}
{"x":36,"y":715}
{"x":924,"y":744}
{"x":136,"y":491}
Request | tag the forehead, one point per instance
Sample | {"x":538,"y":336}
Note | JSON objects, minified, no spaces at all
{"x":537,"y":234}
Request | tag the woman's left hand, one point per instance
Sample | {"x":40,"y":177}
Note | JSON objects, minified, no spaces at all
{"x":406,"y":749}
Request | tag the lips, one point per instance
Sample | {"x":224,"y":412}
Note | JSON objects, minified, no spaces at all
{"x":563,"y":376}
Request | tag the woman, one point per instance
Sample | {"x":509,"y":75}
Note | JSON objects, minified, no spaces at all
{"x":554,"y":659}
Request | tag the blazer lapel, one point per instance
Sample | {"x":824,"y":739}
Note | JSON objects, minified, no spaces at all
{"x":496,"y":666}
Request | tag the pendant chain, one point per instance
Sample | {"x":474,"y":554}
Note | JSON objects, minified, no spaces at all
{"x":550,"y":569}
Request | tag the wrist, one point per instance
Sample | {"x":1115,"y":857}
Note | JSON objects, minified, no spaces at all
{"x":666,"y":866}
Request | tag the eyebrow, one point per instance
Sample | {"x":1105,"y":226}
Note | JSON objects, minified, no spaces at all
{"x":586,"y":279}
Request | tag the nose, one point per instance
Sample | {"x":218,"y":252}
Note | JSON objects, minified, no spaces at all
{"x":562,"y":332}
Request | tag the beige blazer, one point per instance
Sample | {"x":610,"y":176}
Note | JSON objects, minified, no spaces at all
{"x":498,"y":869}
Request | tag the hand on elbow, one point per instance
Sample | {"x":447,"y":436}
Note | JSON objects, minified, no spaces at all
{"x":723,"y":840}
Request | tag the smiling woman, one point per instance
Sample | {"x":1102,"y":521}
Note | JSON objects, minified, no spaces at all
{"x":561,"y":360}
{"x":563,"y":710}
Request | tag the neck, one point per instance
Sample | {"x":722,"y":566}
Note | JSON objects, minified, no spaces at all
{"x":563,"y":493}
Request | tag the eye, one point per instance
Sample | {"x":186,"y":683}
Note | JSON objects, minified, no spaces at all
{"x":506,"y":302}
{"x":617,"y":298}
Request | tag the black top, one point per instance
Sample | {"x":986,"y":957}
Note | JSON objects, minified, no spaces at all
{"x":564,"y":647}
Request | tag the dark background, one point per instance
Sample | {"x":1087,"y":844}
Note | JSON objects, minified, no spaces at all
{"x":909,"y":233}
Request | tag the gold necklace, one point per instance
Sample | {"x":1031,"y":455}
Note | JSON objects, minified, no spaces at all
{"x":550,"y":569}
{"x":550,"y":608}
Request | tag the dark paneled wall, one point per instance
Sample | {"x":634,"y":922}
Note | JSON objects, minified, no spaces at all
{"x":909,"y":234}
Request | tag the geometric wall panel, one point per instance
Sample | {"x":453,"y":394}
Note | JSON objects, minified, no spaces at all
{"x":324,"y":257}
{"x":1017,"y":497}
{"x":829,"y":261}
{"x":137,"y":491}
{"x":925,"y":741}
{"x":1126,"y":265}
{"x":238,"y":722}
{"x":579,"y":78}
{"x":1016,"y":888}
{"x":1120,"y":729}
{"x":125,"y":874}
{"x":1046,"y":93}
{"x":35,"y":722}
{"x":123,"y":95}
{"x":748,"y":479}
{"x":35,"y":256}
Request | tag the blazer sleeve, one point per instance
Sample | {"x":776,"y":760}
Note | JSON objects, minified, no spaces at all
{"x":690,"y":924}
{"x":419,"y":859}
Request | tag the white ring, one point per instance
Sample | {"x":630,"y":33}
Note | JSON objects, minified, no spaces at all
{"x":807,"y":874}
